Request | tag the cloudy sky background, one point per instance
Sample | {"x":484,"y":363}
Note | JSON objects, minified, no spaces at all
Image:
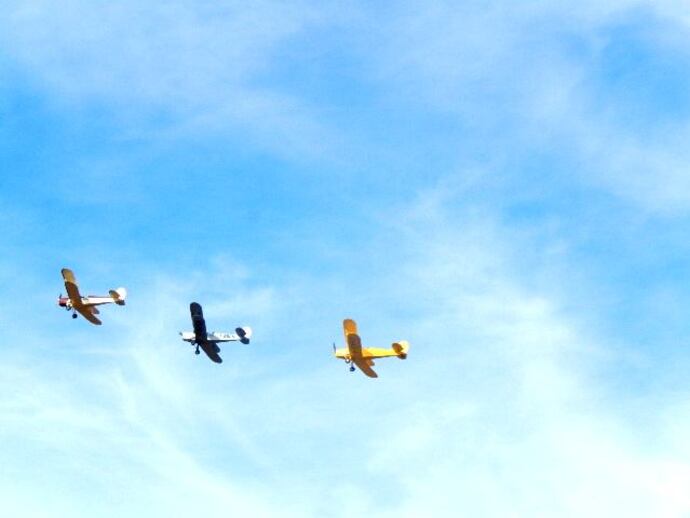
{"x":504,"y":184}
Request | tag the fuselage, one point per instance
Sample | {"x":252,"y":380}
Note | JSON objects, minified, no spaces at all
{"x":344,"y":353}
{"x":91,"y":300}
{"x":215,"y":336}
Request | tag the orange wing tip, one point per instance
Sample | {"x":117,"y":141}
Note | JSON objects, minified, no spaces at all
{"x":350,"y":326}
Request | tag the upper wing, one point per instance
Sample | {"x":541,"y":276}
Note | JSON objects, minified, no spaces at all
{"x":71,"y":287}
{"x":349,"y":327}
{"x":354,"y":344}
{"x":85,"y":311}
{"x":198,"y":322}
{"x":365,"y":366}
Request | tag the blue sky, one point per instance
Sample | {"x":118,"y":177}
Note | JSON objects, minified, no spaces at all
{"x":503,"y":184}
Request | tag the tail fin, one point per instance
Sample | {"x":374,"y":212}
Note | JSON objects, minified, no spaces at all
{"x":119,"y":295}
{"x":401,"y":348}
{"x":245,"y":333}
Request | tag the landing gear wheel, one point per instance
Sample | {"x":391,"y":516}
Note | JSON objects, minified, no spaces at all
{"x":74,"y":315}
{"x":352,"y":368}
{"x":196,"y":351}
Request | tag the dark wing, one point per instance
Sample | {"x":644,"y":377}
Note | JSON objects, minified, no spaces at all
{"x":211,"y":351}
{"x":198,"y":322}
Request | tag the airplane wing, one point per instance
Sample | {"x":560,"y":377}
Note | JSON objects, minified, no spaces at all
{"x":349,"y":327}
{"x":211,"y":351}
{"x":364,"y":365}
{"x":198,"y":322}
{"x":354,"y":344}
{"x":71,"y":287}
{"x":85,"y":311}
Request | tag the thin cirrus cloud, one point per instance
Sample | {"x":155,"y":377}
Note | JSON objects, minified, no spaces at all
{"x":530,"y":75}
{"x":602,"y":86}
{"x":513,"y":400}
{"x":169,"y":71}
{"x":501,"y":411}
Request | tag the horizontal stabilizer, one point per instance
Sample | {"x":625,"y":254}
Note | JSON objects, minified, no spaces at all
{"x":401,"y":348}
{"x":245,"y":333}
{"x":119,"y":295}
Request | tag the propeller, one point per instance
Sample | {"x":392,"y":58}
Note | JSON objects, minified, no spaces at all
{"x":333,"y":347}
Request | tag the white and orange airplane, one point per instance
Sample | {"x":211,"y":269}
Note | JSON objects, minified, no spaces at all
{"x":86,"y":306}
{"x":363,"y":357}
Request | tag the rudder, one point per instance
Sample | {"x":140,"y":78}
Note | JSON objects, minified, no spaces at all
{"x":401,"y":348}
{"x":119,"y":295}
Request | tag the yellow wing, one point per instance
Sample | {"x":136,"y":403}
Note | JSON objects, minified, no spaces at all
{"x":349,"y":327}
{"x":354,"y":345}
{"x":364,"y":365}
{"x":71,"y":287}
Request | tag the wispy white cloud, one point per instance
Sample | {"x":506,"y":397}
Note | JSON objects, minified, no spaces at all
{"x":498,"y":410}
{"x":532,"y":78}
{"x":516,"y":421}
{"x":501,"y":408}
{"x":177,"y":69}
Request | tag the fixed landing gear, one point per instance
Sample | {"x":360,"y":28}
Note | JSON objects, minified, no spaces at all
{"x":196,"y":351}
{"x":74,"y":315}
{"x":352,"y":368}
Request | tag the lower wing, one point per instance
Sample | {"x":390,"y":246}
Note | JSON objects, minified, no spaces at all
{"x":211,"y":351}
{"x":87,"y":313}
{"x":364,"y":365}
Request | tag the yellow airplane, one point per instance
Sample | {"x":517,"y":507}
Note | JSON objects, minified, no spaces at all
{"x":363,"y":358}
